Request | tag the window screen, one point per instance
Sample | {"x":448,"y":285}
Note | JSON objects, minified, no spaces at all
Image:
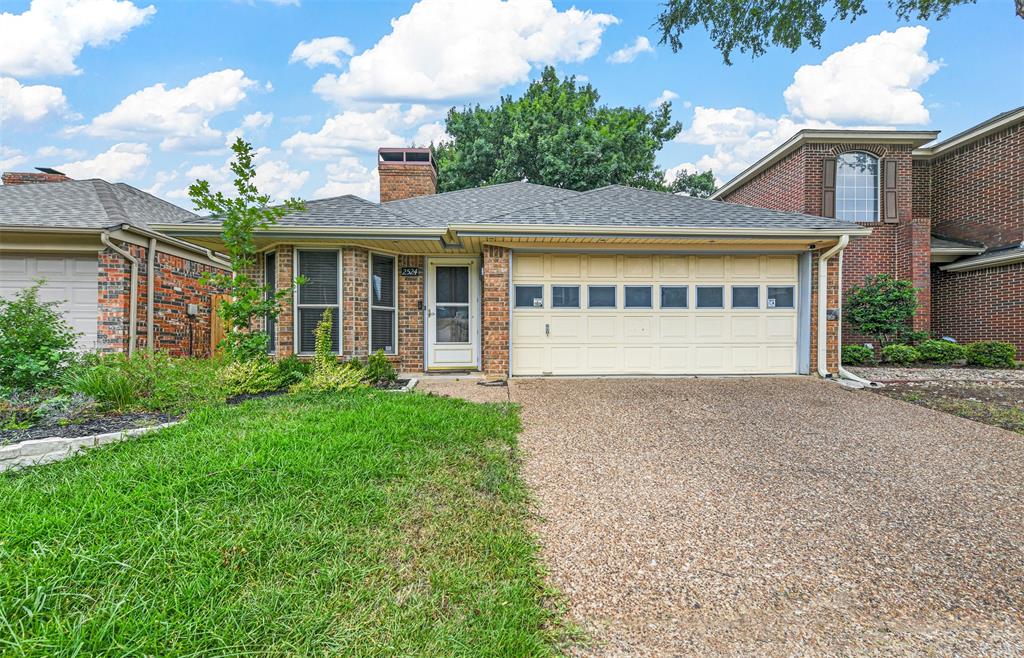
{"x":710,"y":297}
{"x":601,"y":296}
{"x":529,"y":296}
{"x":638,"y":296}
{"x":270,"y":280}
{"x":382,"y":304}
{"x":674,"y":296}
{"x":565,"y":296}
{"x":308,"y":319}
{"x":745,"y":297}
{"x":319,"y":293}
{"x":857,"y":187}
{"x":780,"y":297}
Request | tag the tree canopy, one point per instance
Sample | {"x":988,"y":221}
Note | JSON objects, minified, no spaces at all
{"x":755,"y":25}
{"x":699,"y":185}
{"x":555,"y":134}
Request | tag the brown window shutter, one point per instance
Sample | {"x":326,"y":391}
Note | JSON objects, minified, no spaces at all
{"x":828,"y":187}
{"x":889,"y":209}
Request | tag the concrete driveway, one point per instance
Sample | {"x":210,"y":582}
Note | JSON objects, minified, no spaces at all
{"x":773,"y":516}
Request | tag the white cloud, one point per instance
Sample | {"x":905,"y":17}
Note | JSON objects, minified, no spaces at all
{"x":458,"y":49}
{"x":11,"y":158}
{"x":63,"y":153}
{"x":627,"y":54}
{"x":257,"y":120}
{"x":119,"y":162}
{"x":324,"y":50}
{"x":350,"y":176}
{"x":273,"y":177}
{"x":348,"y":131}
{"x":46,"y":39}
{"x":874,"y":81}
{"x":664,"y":97}
{"x":431,"y":133}
{"x":29,"y":103}
{"x":181,"y":115}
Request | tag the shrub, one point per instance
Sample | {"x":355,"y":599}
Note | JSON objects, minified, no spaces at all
{"x":292,"y":370}
{"x":856,"y":355}
{"x":882,"y":307}
{"x":36,"y":343}
{"x":940,"y":351}
{"x":900,"y":354}
{"x":379,"y":370}
{"x":992,"y":354}
{"x":109,"y":382}
{"x":256,"y":376}
{"x":326,"y":374}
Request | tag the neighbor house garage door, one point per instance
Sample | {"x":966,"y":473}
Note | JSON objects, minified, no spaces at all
{"x":70,"y":279}
{"x":594,"y":314}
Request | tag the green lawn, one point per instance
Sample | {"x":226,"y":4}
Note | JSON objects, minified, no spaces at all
{"x":365,"y":524}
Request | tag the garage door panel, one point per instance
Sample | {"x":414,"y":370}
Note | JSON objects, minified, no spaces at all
{"x":653,"y":341}
{"x":70,"y":279}
{"x":14,"y":265}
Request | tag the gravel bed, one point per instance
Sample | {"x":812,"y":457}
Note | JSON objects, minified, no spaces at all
{"x":88,"y":427}
{"x":772,"y":517}
{"x":892,"y":374}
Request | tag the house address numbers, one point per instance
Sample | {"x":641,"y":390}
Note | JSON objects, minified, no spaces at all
{"x":410,"y":271}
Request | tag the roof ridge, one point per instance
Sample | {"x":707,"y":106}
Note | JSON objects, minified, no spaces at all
{"x":111,"y":204}
{"x":380,"y":206}
{"x":548,"y":202}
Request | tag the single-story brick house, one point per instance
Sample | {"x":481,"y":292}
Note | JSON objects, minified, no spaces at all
{"x":948,"y":216}
{"x":524,"y":279}
{"x":94,"y":245}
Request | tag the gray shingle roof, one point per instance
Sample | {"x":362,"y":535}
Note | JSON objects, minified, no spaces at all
{"x":339,"y":211}
{"x":617,"y":206}
{"x":90,"y":204}
{"x":476,"y":204}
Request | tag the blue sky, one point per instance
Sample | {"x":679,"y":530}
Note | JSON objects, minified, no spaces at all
{"x":150,"y":94}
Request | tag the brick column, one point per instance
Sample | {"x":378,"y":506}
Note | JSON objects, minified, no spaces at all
{"x":410,"y":315}
{"x":914,"y":264}
{"x":495,"y":311}
{"x":355,"y":301}
{"x":114,"y":282}
{"x":285,"y":339}
{"x":831,"y":326}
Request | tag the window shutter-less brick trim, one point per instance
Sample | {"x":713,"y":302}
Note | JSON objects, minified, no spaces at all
{"x":891,"y":213}
{"x":828,"y":187}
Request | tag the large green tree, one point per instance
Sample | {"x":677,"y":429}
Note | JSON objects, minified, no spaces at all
{"x":699,"y":185}
{"x":755,"y":25}
{"x":555,"y":134}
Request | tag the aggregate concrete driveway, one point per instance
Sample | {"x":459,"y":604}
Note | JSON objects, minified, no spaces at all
{"x":774,"y":516}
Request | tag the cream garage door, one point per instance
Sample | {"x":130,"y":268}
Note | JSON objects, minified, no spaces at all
{"x":597,"y":314}
{"x":71,"y":279}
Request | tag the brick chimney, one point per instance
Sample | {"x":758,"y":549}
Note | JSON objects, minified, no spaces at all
{"x":43,"y":175}
{"x":405,"y":173}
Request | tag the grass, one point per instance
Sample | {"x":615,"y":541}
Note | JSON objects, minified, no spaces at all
{"x":1007,"y":417}
{"x":360,"y":525}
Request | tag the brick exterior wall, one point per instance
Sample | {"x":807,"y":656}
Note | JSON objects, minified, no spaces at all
{"x":355,"y":302}
{"x":410,"y":315}
{"x":780,"y":187}
{"x":995,"y":297}
{"x":401,"y":180}
{"x":495,"y":319}
{"x":832,"y":327}
{"x":26,"y":178}
{"x":177,"y":285}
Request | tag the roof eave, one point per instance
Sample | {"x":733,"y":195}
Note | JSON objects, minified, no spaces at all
{"x":491,"y":230}
{"x":324,"y":231}
{"x":981,"y":262}
{"x":980,"y":131}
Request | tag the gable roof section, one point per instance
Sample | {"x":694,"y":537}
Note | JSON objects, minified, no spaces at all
{"x":999,"y":122}
{"x":617,"y":208}
{"x":348,"y":211}
{"x":476,"y":203}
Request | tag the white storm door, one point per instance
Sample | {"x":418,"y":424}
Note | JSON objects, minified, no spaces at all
{"x":453,"y":314}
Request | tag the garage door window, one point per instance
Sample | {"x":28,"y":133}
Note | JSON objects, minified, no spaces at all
{"x":710,"y":297}
{"x":745,"y":297}
{"x":674,"y":296}
{"x":780,"y":296}
{"x":601,"y":296}
{"x":529,"y":296}
{"x":565,"y":296}
{"x":638,"y":297}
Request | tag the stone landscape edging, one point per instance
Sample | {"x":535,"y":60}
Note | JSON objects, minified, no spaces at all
{"x":55,"y":448}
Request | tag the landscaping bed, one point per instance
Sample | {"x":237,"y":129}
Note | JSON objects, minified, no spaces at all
{"x":100,"y":424}
{"x":359,"y":523}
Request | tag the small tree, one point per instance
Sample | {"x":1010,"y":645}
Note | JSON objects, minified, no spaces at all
{"x":883,"y":307}
{"x":241,"y":216}
{"x":700,"y":186}
{"x":36,"y":342}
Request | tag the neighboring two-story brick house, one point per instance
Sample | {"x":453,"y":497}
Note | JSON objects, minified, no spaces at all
{"x":948,"y":216}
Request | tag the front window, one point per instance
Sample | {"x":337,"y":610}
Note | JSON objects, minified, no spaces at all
{"x":270,"y":281}
{"x":382,"y":304}
{"x":857,"y":187}
{"x":319,"y":293}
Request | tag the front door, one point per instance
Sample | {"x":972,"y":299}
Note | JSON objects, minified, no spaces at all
{"x":453,"y":314}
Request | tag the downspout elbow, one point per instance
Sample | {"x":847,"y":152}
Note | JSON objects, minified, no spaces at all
{"x":133,"y":288}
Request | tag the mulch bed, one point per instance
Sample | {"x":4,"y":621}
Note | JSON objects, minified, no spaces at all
{"x":87,"y":427}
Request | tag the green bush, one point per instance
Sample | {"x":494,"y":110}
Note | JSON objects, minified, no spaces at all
{"x":992,"y":354}
{"x":292,"y":370}
{"x":255,"y":376}
{"x":326,"y":374}
{"x":940,"y":351}
{"x":36,"y":343}
{"x":378,"y":369}
{"x":857,"y":355}
{"x":883,"y":308}
{"x":900,"y":354}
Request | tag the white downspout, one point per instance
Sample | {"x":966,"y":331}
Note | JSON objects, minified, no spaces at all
{"x":823,"y":301}
{"x":150,"y":287}
{"x":133,"y":311}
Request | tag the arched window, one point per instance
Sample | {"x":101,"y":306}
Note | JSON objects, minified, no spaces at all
{"x":857,"y":187}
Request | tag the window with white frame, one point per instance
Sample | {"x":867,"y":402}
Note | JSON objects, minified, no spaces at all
{"x":857,"y":197}
{"x":270,"y":281}
{"x":321,"y":292}
{"x":383,"y":304}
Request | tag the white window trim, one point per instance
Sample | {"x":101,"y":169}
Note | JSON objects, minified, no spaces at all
{"x":372,"y":307}
{"x":879,"y":191}
{"x":296,"y":337}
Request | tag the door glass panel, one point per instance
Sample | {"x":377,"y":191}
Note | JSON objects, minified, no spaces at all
{"x":452,"y":284}
{"x":452,"y":324}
